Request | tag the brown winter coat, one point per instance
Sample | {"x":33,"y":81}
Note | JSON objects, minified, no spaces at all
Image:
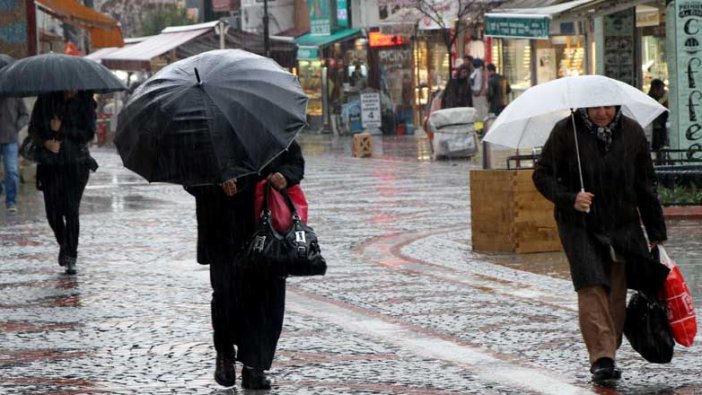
{"x":624,"y":186}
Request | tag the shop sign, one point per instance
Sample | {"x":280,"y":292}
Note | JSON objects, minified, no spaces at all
{"x":370,"y":110}
{"x":307,"y":53}
{"x":517,"y":27}
{"x":322,"y":16}
{"x":688,"y":21}
{"x":377,"y":39}
{"x":648,"y":18}
{"x":342,"y":13}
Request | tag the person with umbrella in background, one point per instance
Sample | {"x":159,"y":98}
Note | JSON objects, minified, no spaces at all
{"x":600,"y":229}
{"x":13,"y":117}
{"x":62,"y":125}
{"x":217,"y":123}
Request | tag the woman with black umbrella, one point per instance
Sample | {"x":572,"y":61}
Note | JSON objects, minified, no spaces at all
{"x":62,"y":125}
{"x":247,"y":307}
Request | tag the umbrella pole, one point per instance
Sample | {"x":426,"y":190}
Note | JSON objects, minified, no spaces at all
{"x":577,"y":153}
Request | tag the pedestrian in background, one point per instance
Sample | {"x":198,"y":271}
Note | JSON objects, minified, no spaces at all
{"x":659,"y":135}
{"x":247,"y":306}
{"x":62,"y":124}
{"x":600,"y":229}
{"x":478,"y":83}
{"x":13,"y":117}
{"x":458,"y":92}
{"x":498,"y":90}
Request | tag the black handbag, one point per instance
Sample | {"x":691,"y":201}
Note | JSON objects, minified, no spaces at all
{"x":647,"y":328}
{"x":30,"y":150}
{"x":296,"y":252}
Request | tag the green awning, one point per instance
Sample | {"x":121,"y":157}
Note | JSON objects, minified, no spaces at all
{"x":309,"y":40}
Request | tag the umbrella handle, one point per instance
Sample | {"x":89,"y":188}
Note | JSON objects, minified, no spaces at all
{"x":588,"y":209}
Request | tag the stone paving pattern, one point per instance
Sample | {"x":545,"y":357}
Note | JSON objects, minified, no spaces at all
{"x":396,"y":233}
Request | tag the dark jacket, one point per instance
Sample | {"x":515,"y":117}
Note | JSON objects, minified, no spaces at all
{"x":498,"y":89}
{"x":78,"y":124}
{"x":225,"y":223}
{"x":457,"y":94}
{"x":624,"y":185}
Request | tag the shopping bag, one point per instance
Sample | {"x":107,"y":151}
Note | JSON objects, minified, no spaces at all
{"x":681,"y":309}
{"x":281,"y":217}
{"x":647,"y":328}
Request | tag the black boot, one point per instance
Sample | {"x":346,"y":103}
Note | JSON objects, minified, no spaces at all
{"x":604,"y":370}
{"x":254,"y":379}
{"x":70,"y":264}
{"x":225,"y":372}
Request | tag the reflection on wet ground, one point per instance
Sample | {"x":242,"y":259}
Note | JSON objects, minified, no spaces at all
{"x":396,"y":235}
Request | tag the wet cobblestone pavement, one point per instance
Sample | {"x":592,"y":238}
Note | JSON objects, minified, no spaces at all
{"x":406,"y":306}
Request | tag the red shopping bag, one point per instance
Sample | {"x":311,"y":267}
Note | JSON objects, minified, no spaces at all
{"x":281,"y":217}
{"x":681,"y":310}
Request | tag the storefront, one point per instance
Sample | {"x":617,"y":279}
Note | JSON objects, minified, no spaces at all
{"x":430,"y":68}
{"x":391,"y":73}
{"x":534,"y":45}
{"x":326,"y":65}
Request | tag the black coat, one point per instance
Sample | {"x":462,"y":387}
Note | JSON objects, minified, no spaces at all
{"x":624,"y":185}
{"x":225,"y":223}
{"x":78,"y":124}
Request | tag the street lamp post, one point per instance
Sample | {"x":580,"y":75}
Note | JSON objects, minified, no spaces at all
{"x":266,"y":36}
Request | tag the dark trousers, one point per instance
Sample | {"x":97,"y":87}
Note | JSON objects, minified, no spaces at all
{"x":247,"y":312}
{"x":63,"y":187}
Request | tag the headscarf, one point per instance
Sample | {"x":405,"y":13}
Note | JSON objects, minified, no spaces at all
{"x":603,"y":133}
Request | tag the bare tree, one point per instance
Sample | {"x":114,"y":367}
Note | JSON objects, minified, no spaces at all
{"x":452,"y":16}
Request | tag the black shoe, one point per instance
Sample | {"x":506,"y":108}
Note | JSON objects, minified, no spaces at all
{"x":70,"y":263}
{"x":225,"y":372}
{"x":604,"y":370}
{"x":62,"y":256}
{"x":254,"y":379}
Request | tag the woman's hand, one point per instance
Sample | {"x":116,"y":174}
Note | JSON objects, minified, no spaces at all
{"x":229,"y":187}
{"x":55,"y":124}
{"x":278,"y":181}
{"x":53,"y":145}
{"x":583,"y":201}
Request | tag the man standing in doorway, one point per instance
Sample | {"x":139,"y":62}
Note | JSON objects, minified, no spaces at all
{"x":498,"y":90}
{"x":13,"y":117}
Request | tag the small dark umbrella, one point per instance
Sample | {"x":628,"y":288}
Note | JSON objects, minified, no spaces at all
{"x":5,"y":60}
{"x":52,"y":72}
{"x":211,"y":117}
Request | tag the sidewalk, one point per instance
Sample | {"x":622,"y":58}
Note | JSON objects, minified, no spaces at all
{"x":406,"y":306}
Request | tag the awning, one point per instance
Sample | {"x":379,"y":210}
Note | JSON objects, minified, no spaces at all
{"x":104,"y":30}
{"x":309,"y":40}
{"x":530,"y":23}
{"x":282,"y":50}
{"x":139,"y":56}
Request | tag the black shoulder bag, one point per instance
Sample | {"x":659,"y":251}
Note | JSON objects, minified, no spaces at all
{"x":294,"y":253}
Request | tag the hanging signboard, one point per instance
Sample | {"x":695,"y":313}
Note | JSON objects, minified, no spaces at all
{"x":497,"y":25}
{"x":322,"y":16}
{"x":619,"y":39}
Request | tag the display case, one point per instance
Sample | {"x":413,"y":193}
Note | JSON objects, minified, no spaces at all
{"x":310,"y":76}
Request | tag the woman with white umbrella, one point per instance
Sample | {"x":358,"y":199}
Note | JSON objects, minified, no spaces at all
{"x":596,"y":168}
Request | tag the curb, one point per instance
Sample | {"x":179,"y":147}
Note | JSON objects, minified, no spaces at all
{"x":683,"y":212}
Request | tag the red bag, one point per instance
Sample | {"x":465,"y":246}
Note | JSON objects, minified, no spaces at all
{"x":280,"y":213}
{"x":681,"y":310}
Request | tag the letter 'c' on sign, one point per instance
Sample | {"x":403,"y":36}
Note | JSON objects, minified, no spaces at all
{"x":690,"y":25}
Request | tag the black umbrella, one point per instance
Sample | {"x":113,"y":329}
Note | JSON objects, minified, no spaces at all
{"x":5,"y":60}
{"x":51,"y":72}
{"x":210,"y":117}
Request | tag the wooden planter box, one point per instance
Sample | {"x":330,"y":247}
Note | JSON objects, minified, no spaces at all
{"x":508,"y":214}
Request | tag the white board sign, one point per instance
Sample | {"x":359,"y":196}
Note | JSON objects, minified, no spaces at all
{"x":370,"y":110}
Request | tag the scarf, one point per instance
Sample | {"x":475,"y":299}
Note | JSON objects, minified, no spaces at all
{"x":603,"y":133}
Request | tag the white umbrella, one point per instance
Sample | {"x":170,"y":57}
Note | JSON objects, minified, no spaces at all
{"x":527,"y":121}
